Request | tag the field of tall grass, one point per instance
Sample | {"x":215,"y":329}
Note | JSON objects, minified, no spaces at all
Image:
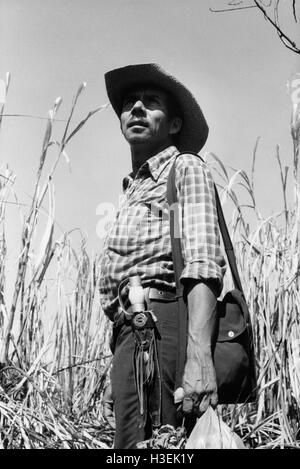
{"x":53,"y":368}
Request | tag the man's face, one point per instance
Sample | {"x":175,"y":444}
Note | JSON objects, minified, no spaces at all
{"x":145,"y":119}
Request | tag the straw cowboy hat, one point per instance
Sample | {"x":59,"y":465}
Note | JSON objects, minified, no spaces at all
{"x":194,"y":131}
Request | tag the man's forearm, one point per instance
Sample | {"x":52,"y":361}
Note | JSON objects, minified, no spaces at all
{"x":202,"y":302}
{"x":199,"y":379}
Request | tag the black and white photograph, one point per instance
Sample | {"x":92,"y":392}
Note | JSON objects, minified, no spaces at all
{"x":149,"y":227}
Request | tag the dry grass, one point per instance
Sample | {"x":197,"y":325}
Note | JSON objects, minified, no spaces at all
{"x":54,"y":354}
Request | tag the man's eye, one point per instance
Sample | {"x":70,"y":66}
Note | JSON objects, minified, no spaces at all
{"x":153,"y":99}
{"x":128,"y":102}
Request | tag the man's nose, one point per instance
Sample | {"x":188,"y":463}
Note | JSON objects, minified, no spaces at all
{"x":138,"y":107}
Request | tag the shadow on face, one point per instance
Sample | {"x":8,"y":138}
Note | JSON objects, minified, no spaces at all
{"x":149,"y":114}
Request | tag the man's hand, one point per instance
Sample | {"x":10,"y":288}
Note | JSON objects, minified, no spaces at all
{"x":199,"y":384}
{"x":108,"y":406}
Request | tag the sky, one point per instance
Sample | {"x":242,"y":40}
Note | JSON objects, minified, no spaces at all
{"x":233,"y":63}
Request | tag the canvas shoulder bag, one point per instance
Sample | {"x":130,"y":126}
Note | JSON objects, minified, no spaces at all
{"x":233,"y":352}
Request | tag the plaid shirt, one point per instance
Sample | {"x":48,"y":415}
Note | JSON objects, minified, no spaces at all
{"x":139,"y":241}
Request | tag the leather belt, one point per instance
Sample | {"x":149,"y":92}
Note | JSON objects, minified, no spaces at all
{"x":151,"y":293}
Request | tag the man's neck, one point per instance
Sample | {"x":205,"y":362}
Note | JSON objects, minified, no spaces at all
{"x":141,"y":153}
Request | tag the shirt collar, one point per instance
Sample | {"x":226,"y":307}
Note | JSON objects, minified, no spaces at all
{"x":155,"y":165}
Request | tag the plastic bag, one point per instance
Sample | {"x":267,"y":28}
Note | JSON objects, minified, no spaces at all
{"x":210,"y":432}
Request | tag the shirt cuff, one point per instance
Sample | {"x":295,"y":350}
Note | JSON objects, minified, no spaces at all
{"x":204,"y":270}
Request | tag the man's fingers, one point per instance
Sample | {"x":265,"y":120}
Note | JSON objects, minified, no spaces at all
{"x":198,"y":404}
{"x":214,"y":400}
{"x":178,"y":395}
{"x":108,"y":406}
{"x":204,"y":404}
{"x":187,"y":405}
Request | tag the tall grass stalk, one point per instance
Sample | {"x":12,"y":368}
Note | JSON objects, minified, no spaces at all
{"x":53,"y":351}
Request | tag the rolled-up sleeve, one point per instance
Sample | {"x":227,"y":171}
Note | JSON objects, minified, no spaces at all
{"x":200,"y":235}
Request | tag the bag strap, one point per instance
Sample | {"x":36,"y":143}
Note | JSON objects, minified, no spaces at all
{"x":176,"y":241}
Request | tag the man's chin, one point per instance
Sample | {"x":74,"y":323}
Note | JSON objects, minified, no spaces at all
{"x":137,"y":140}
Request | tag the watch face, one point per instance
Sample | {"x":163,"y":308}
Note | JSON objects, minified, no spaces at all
{"x":139,"y":320}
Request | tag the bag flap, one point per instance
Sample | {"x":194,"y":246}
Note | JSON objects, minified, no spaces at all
{"x":232,"y":322}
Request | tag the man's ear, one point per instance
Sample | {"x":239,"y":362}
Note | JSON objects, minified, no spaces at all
{"x":175,"y":126}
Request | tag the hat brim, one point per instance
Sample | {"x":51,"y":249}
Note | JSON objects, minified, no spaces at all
{"x":194,"y":131}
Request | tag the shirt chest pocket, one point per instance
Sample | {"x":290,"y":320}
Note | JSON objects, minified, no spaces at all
{"x":132,"y":227}
{"x":141,"y":223}
{"x":142,"y":226}
{"x":152,"y":225}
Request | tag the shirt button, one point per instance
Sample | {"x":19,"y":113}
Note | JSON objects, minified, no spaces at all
{"x":230,"y":334}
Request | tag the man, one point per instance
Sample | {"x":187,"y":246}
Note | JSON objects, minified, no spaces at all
{"x":159,"y":118}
